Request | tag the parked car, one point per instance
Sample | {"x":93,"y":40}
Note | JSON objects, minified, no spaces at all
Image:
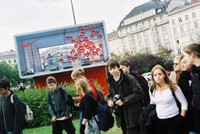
{"x":147,"y":76}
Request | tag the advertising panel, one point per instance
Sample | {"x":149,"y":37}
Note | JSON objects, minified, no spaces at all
{"x":62,"y":49}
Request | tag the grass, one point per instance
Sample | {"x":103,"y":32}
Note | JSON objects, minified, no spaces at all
{"x":48,"y":130}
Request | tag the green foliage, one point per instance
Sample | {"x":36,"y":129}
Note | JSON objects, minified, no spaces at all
{"x":145,"y":62}
{"x":37,"y":99}
{"x":11,"y":73}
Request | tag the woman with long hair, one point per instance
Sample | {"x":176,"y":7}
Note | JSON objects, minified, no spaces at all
{"x":170,"y":119}
{"x":88,"y":106}
{"x":192,"y":58}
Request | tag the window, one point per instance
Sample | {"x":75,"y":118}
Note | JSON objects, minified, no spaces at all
{"x":194,"y":15}
{"x":179,"y":20}
{"x":179,"y":51}
{"x":9,"y":61}
{"x":174,"y":29}
{"x":198,"y":35}
{"x":181,"y":29}
{"x":186,"y":17}
{"x":190,"y":37}
{"x":14,"y":61}
{"x":196,"y":25}
{"x":173,"y":22}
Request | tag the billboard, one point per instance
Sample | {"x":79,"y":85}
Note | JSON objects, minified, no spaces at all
{"x":62,"y":49}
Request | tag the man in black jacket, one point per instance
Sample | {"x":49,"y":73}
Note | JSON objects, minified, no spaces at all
{"x":125,"y":97}
{"x":12,"y":111}
{"x":59,"y":109}
{"x":125,"y":65}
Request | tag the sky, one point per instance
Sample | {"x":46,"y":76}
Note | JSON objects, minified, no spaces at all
{"x":25,"y":16}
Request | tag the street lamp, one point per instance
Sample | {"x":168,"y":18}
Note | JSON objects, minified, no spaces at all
{"x":73,"y":12}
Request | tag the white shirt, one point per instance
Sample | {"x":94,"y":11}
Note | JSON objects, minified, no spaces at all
{"x":166,"y":106}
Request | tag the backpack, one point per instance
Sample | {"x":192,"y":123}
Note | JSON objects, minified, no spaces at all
{"x":28,"y":112}
{"x":106,"y":119}
{"x":70,"y":101}
{"x":100,"y":97}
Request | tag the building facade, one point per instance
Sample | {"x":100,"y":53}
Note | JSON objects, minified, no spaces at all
{"x":10,"y":57}
{"x":146,"y":29}
{"x":185,"y":25}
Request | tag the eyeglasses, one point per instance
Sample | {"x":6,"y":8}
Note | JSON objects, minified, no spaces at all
{"x":176,"y":64}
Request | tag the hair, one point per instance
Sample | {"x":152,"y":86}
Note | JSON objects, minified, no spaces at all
{"x":82,"y":85}
{"x":5,"y":84}
{"x":112,"y":63}
{"x":51,"y":79}
{"x":125,"y":63}
{"x":166,"y":79}
{"x":179,"y":57}
{"x":77,"y":73}
{"x":193,"y":48}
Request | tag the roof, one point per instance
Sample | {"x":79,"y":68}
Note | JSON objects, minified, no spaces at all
{"x":153,"y":4}
{"x":112,"y":35}
{"x":183,"y":6}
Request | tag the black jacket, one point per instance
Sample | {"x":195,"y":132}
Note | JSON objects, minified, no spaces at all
{"x":131,"y":94}
{"x":13,"y":114}
{"x":57,"y":104}
{"x":196,"y":86}
{"x":147,"y":118}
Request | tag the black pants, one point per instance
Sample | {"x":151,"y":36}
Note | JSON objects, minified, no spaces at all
{"x":125,"y":130}
{"x":196,"y":120}
{"x":67,"y":125}
{"x":172,"y":125}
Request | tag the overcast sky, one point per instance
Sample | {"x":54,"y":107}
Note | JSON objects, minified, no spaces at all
{"x":24,"y":16}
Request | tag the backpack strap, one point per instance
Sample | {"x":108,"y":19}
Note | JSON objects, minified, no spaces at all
{"x":152,"y":89}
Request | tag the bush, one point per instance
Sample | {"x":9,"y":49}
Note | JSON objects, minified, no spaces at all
{"x":37,"y":101}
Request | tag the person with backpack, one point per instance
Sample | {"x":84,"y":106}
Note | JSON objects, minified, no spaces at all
{"x":125,"y":65}
{"x":80,"y":74}
{"x":192,"y":58}
{"x":59,"y":108}
{"x":125,"y":97}
{"x":12,"y":113}
{"x":166,"y":95}
{"x":88,"y":106}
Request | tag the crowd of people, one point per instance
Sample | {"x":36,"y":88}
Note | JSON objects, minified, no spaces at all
{"x":171,"y":105}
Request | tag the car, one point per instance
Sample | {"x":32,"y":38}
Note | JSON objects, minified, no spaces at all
{"x":147,"y":76}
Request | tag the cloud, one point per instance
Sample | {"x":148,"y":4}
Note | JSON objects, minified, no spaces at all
{"x":22,"y":16}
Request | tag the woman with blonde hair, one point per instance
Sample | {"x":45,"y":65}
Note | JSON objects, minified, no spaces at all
{"x":170,"y":119}
{"x":80,"y":74}
{"x":88,"y":106}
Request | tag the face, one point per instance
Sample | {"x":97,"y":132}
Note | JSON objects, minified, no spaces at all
{"x":52,"y":86}
{"x":3,"y":91}
{"x":76,"y":78}
{"x":158,"y":76}
{"x":188,"y":58}
{"x":184,"y":65}
{"x":114,"y":71}
{"x":177,"y":65}
{"x":125,"y":69}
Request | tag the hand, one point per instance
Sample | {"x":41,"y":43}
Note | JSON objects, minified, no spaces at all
{"x":54,"y":118}
{"x":82,"y":130}
{"x":110,"y":103}
{"x":119,"y":102}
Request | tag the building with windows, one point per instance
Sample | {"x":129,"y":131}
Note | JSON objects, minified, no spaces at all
{"x":146,"y":29}
{"x":115,"y":43}
{"x":184,"y":21}
{"x":10,"y":57}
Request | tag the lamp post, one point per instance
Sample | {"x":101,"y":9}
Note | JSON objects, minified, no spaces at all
{"x":73,"y":12}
